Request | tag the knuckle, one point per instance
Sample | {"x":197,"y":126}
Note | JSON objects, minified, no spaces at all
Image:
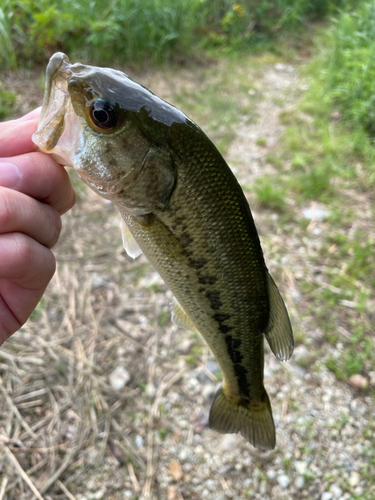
{"x":68,"y":202}
{"x":55,"y":226}
{"x":5,"y":209}
{"x":34,"y":257}
{"x":25,"y":249}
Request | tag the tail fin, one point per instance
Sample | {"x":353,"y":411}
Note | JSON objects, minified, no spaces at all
{"x":253,"y":420}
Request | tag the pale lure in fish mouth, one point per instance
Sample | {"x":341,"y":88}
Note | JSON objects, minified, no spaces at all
{"x":59,"y":127}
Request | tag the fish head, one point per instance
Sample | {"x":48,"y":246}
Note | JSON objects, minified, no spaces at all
{"x":112,"y":131}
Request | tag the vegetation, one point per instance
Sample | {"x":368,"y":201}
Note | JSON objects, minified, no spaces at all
{"x":350,"y":70}
{"x":128,"y":30}
{"x":327,"y":156}
{"x":327,"y":147}
{"x":7,"y":102}
{"x":102,"y":310}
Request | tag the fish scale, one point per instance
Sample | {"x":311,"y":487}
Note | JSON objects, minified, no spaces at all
{"x":183,"y":207}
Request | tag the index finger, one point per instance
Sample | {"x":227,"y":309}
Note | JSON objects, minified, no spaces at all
{"x":43,"y":179}
{"x":15,"y":135}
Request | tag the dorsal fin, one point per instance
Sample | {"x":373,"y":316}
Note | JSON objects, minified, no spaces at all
{"x":180,"y":318}
{"x":279,"y":331}
{"x":131,"y":246}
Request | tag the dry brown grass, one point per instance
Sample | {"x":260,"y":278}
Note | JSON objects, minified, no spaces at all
{"x":58,"y":410}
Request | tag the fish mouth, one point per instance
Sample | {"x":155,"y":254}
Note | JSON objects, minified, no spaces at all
{"x":59,"y":127}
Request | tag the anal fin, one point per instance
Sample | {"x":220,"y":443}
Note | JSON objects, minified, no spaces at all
{"x":279,"y":331}
{"x":180,"y":318}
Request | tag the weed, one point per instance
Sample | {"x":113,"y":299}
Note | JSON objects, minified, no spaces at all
{"x":38,"y":309}
{"x":7,"y":102}
{"x":261,"y":142}
{"x":163,"y":433}
{"x":142,"y":385}
{"x":270,"y":194}
{"x":217,"y":102}
{"x":8,"y":53}
{"x":130,"y":30}
{"x":163,"y":317}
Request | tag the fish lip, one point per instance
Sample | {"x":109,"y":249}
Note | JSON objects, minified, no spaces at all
{"x":58,"y":62}
{"x":57,"y":119}
{"x":58,"y":65}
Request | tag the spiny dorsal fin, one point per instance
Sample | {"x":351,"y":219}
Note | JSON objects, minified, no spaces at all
{"x":279,"y":331}
{"x":131,"y":246}
{"x":180,"y":318}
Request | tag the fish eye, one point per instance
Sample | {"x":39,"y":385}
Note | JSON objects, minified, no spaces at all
{"x":103,"y":115}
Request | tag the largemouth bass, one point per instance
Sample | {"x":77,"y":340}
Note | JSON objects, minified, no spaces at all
{"x":183,"y":207}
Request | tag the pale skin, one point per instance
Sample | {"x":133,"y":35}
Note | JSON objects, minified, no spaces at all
{"x":34,"y":192}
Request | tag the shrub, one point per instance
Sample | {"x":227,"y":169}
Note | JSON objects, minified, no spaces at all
{"x":350,"y":66}
{"x":132,"y":30}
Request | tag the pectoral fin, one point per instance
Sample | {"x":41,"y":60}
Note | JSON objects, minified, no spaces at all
{"x":180,"y":318}
{"x":131,"y":246}
{"x":279,"y":331}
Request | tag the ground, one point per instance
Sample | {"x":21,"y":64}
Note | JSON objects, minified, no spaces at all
{"x":103,"y":398}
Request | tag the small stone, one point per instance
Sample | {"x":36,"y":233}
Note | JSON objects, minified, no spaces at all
{"x":271,"y":474}
{"x":354,"y":479}
{"x":280,"y":67}
{"x":359,"y":491}
{"x":183,"y":423}
{"x":301,"y":467}
{"x":70,"y":431}
{"x":228,"y":442}
{"x":98,"y":281}
{"x":91,"y":485}
{"x":98,"y":495}
{"x":263,"y":488}
{"x":171,"y":493}
{"x":315,"y":212}
{"x":138,"y":441}
{"x":184,"y":346}
{"x":208,"y":391}
{"x":346,"y":496}
{"x":358,"y":382}
{"x":299,"y":482}
{"x":283,"y":480}
{"x":336,"y":491}
{"x":150,"y":390}
{"x":175,"y":471}
{"x":119,"y":378}
{"x":327,"y":495}
{"x":213,"y":367}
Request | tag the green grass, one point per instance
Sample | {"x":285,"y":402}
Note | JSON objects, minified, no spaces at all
{"x":350,"y":72}
{"x":327,"y":156}
{"x":128,"y":30}
{"x":7,"y":103}
{"x":222,"y":102}
{"x":269,"y":193}
{"x":358,"y":355}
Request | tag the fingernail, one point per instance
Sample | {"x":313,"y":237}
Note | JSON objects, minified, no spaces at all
{"x":9,"y":174}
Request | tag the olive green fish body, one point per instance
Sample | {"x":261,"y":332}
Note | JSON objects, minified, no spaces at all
{"x":209,"y":255}
{"x":188,"y":214}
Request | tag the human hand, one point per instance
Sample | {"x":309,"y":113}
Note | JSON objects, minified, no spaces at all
{"x":34,"y":192}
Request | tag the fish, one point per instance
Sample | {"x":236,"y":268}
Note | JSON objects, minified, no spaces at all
{"x":183,"y":208}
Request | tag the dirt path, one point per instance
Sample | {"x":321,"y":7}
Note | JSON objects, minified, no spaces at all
{"x":105,"y":322}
